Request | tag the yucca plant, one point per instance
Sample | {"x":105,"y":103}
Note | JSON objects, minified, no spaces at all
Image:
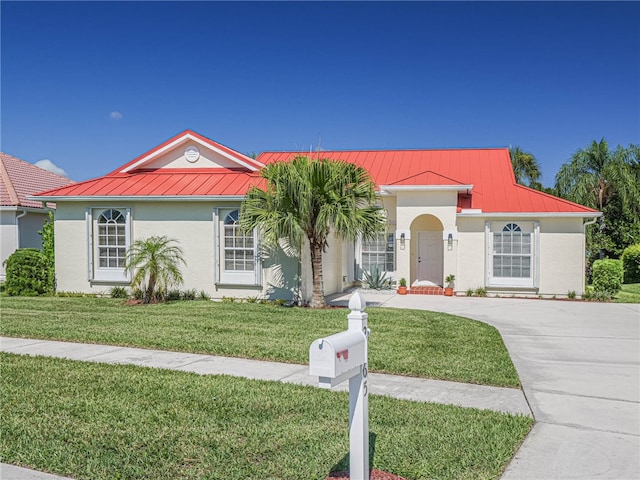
{"x":376,"y":279}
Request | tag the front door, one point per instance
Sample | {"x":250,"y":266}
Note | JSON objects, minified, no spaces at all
{"x":430,"y":261}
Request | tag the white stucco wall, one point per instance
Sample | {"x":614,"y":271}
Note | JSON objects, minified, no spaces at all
{"x":471,"y":253}
{"x":8,"y":237}
{"x":562,"y":253}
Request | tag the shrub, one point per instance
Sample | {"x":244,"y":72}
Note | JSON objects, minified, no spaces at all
{"x":27,"y":271}
{"x":251,"y":299}
{"x":48,"y":248}
{"x":607,"y":276}
{"x":228,"y":299}
{"x":631,"y":263}
{"x":204,"y":295}
{"x":480,"y":292}
{"x":189,"y":294}
{"x":119,"y":292}
{"x":173,"y":295}
{"x":571,"y":295}
{"x":469,"y":292}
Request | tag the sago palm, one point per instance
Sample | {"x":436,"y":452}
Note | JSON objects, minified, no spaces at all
{"x":307,"y":200}
{"x":154,"y":263}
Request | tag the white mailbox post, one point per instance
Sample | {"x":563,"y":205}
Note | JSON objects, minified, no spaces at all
{"x":343,"y":356}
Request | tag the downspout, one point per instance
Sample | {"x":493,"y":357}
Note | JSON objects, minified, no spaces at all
{"x":18,"y":217}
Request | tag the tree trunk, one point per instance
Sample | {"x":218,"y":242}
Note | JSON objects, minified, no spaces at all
{"x":317,"y":298}
{"x":148,"y":293}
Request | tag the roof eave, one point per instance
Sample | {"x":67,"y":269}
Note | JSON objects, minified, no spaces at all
{"x":130,"y":198}
{"x":531,"y":214}
{"x":424,"y":188}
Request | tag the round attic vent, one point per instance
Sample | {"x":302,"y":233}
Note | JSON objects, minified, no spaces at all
{"x":192,"y":154}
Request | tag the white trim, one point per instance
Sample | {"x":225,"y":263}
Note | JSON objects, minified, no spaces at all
{"x":516,"y":215}
{"x":180,"y":140}
{"x":242,"y":277}
{"x":16,"y":208}
{"x":424,"y":188}
{"x":106,"y":275}
{"x":533,"y":281}
{"x":147,"y":198}
{"x":216,"y":246}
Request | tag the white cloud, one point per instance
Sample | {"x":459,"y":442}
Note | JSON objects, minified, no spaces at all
{"x":51,"y":167}
{"x":115,"y":115}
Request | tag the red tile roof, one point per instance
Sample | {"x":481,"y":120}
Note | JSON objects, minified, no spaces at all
{"x":19,"y":179}
{"x":486,"y":173}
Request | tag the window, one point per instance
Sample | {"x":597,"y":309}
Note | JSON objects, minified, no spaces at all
{"x":109,"y":238}
{"x":112,"y":245}
{"x":512,"y":252}
{"x":237,"y":262}
{"x":512,"y":258}
{"x":379,"y":251}
{"x":239,"y":254}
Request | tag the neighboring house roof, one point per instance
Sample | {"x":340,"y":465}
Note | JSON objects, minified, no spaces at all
{"x":20,"y":179}
{"x":483,"y":177}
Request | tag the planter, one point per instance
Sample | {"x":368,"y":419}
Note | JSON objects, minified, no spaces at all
{"x":402,"y":290}
{"x":448,"y":292}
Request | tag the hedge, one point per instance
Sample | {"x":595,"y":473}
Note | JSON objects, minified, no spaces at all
{"x":631,"y":263}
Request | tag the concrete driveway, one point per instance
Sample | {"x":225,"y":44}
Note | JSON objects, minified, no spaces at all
{"x":579,"y":364}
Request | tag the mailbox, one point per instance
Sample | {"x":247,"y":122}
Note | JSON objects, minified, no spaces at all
{"x":337,"y":357}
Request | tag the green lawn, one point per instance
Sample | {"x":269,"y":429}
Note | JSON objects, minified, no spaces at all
{"x":630,"y":293}
{"x":97,"y":421}
{"x":406,"y":342}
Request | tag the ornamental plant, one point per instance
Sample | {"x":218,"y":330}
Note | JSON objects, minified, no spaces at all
{"x":607,"y":276}
{"x":27,"y":273}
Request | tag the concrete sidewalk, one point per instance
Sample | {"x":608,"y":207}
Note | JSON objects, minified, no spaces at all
{"x":507,"y":400}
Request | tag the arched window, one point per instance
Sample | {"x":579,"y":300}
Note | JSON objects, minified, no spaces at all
{"x":239,"y":246}
{"x":112,"y":244}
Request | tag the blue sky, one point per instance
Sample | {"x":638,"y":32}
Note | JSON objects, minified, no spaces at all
{"x":91,"y":85}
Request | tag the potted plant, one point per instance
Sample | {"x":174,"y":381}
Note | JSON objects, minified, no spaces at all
{"x":448,"y":291}
{"x":402,"y":286}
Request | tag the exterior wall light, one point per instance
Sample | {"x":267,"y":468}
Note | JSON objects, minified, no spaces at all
{"x":402,"y":241}
{"x":450,"y":242}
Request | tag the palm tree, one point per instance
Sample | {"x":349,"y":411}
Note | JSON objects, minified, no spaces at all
{"x":155,"y":264}
{"x":604,"y":180}
{"x":306,"y":200}
{"x":525,"y":167}
{"x":594,"y":175}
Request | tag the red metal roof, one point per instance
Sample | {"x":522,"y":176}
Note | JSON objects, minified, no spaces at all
{"x":488,"y":170}
{"x":19,"y":179}
{"x":487,"y":173}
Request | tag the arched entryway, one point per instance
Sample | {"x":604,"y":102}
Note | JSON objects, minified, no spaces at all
{"x":427,"y":250}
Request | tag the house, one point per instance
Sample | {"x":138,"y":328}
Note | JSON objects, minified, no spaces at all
{"x":20,"y":217}
{"x":454,"y":211}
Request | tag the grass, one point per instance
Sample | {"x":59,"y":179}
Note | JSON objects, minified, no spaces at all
{"x":97,"y":421}
{"x":406,"y":342}
{"x":630,"y":293}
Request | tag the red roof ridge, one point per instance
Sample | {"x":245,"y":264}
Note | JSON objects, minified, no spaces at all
{"x":356,"y":150}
